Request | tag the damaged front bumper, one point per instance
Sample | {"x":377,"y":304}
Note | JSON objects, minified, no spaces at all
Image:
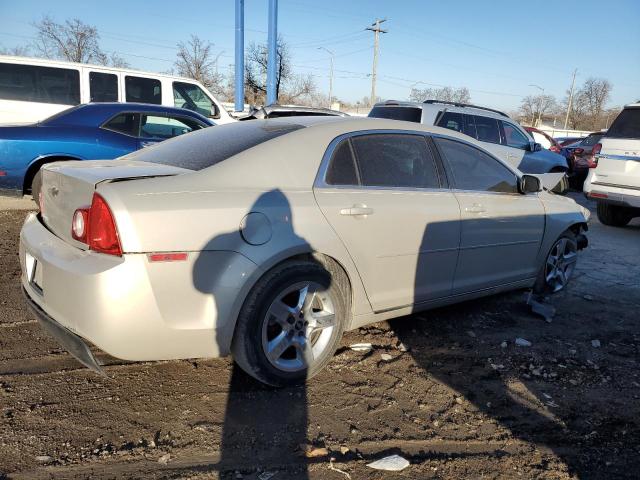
{"x":73,"y":343}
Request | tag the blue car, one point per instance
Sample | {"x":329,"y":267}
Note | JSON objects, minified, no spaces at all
{"x":87,"y":132}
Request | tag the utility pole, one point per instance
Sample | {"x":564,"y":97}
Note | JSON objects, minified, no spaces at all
{"x":573,"y":82}
{"x":375,"y":28}
{"x":239,"y":66}
{"x":330,"y":75}
{"x":272,"y":55}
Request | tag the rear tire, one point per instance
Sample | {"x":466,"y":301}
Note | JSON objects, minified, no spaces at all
{"x":36,"y":187}
{"x":286,"y":334}
{"x":613,"y":215}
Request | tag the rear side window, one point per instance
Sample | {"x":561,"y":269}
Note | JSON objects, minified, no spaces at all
{"x":487,"y":129}
{"x":158,"y":126}
{"x":143,"y":90}
{"x":342,"y":169}
{"x":127,"y":123}
{"x":395,"y":160}
{"x":103,"y":87}
{"x":192,"y":97}
{"x":473,"y":169}
{"x":209,"y":146}
{"x":452,"y":121}
{"x":590,"y":140}
{"x":626,"y":125}
{"x":408,"y":114}
{"x":30,"y":83}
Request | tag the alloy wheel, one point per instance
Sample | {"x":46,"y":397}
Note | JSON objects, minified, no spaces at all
{"x":298,"y":326}
{"x":560,"y":264}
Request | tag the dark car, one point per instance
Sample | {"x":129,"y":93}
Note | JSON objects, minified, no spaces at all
{"x":86,"y":132}
{"x":581,"y":158}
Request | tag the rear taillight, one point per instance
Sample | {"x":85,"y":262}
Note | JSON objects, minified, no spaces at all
{"x":593,"y":160}
{"x":96,"y":227}
{"x":596,"y":149}
{"x":79,"y":224}
{"x":554,"y":149}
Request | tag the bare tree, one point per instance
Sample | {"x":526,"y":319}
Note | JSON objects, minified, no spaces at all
{"x":74,"y":41}
{"x":289,"y":87}
{"x":447,"y":94}
{"x":195,"y":59}
{"x":588,"y":110}
{"x":534,"y":107}
{"x":17,"y":51}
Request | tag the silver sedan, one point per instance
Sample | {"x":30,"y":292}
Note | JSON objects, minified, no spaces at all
{"x":267,"y":239}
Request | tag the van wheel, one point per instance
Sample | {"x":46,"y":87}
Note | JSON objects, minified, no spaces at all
{"x":36,"y":187}
{"x":290,"y":324}
{"x":559,"y":265}
{"x":612,"y":215}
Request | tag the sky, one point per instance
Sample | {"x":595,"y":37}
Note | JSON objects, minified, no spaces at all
{"x":497,"y":49}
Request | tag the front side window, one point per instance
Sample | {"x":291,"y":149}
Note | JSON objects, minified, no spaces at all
{"x":487,"y":129}
{"x":143,"y":90}
{"x":157,"y":126}
{"x":395,"y":160}
{"x":192,"y":97}
{"x":127,"y":123}
{"x":342,"y":168}
{"x":30,"y":83}
{"x":452,"y":121}
{"x":473,"y":169}
{"x":103,"y":87}
{"x":513,"y":137}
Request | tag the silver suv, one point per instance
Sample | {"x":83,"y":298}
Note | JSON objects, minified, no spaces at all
{"x":499,"y":134}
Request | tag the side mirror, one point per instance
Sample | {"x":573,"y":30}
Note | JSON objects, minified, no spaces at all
{"x":530,"y":184}
{"x":534,"y":147}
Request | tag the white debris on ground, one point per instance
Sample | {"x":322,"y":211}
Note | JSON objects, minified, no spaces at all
{"x":392,"y":463}
{"x":521,"y":342}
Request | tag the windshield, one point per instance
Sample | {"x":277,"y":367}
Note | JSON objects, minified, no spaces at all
{"x":206,"y":147}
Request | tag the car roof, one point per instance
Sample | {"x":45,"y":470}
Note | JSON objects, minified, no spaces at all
{"x":450,"y":106}
{"x":94,"y":114}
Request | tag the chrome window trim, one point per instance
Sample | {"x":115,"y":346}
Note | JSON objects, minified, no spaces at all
{"x":320,"y":180}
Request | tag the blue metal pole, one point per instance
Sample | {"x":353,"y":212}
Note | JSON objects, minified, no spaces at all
{"x":239,"y":97}
{"x":272,"y":60}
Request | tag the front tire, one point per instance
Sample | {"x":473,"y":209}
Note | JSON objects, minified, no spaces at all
{"x":559,"y":265}
{"x":291,"y":323}
{"x":612,"y":215}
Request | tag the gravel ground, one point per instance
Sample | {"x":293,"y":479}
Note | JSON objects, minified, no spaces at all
{"x":454,"y":394}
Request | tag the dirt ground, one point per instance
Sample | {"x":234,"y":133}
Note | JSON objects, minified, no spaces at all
{"x":458,"y":398}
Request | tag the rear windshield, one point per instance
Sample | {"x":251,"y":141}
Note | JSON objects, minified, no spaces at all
{"x":627,"y":125}
{"x":408,"y":114}
{"x":206,"y":147}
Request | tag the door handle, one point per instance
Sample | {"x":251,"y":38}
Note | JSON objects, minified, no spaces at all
{"x":356,"y":210}
{"x":475,"y":208}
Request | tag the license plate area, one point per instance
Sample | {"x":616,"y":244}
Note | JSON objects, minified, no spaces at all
{"x":34,"y":272}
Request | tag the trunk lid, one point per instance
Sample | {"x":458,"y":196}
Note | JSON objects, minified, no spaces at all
{"x":67,"y":186}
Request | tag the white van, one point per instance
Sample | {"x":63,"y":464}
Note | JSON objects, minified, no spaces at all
{"x":614,"y":181}
{"x":32,"y":89}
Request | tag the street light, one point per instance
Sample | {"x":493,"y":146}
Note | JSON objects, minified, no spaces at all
{"x":539,"y":103}
{"x":330,"y":75}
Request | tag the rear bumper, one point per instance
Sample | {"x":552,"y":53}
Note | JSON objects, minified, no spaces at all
{"x":129,"y":307}
{"x":613,"y":194}
{"x":74,"y":344}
